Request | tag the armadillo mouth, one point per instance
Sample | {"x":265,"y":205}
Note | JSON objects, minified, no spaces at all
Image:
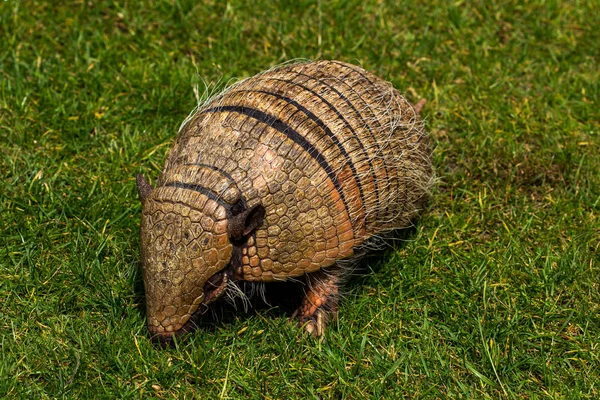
{"x":213,"y":289}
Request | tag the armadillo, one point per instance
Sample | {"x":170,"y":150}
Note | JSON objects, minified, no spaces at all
{"x":281,"y":176}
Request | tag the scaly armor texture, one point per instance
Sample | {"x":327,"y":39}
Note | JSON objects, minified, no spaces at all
{"x":279,"y":176}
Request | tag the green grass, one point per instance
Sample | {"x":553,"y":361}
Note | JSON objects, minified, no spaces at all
{"x":495,"y":295}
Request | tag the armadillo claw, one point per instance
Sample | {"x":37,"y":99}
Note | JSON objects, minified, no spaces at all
{"x":315,"y":325}
{"x":320,"y":305}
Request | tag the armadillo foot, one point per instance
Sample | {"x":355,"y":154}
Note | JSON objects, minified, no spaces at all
{"x":320,"y":304}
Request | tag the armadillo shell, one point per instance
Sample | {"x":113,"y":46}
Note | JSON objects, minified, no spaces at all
{"x":333,"y":153}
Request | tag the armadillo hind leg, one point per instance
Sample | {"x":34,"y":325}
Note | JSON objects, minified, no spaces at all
{"x":320,"y":303}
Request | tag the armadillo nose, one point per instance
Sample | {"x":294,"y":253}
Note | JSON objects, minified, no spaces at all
{"x":163,"y":339}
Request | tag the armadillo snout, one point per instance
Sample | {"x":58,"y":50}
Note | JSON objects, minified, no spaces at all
{"x":164,"y":332}
{"x":166,"y":338}
{"x":182,"y":249}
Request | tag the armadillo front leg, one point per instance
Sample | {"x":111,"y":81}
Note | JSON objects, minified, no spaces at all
{"x":320,"y":303}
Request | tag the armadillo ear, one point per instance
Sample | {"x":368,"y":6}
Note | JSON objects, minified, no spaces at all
{"x":244,"y":223}
{"x":143,"y":187}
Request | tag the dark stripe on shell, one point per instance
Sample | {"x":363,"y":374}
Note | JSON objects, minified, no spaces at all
{"x":349,"y":103}
{"x":327,"y":131}
{"x":282,"y":127}
{"x":230,"y":178}
{"x":341,"y":117}
{"x":361,"y":72}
